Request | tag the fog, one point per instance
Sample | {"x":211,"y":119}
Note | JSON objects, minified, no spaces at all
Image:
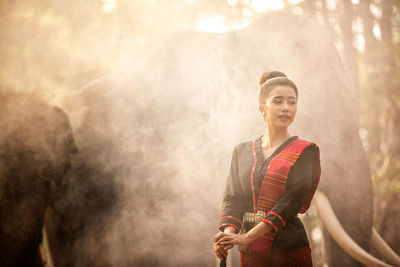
{"x":160,"y":130}
{"x":155,"y":138}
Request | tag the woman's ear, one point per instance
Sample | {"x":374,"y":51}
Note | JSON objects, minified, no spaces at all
{"x":261,"y":109}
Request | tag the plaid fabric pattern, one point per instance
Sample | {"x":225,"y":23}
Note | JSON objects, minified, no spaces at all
{"x":274,"y":186}
{"x":299,"y":257}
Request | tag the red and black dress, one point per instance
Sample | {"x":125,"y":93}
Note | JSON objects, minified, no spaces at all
{"x":281,"y":186}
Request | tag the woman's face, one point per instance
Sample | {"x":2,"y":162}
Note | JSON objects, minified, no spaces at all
{"x":280,"y":106}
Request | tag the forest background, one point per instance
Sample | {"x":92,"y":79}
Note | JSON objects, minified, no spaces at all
{"x":58,"y":46}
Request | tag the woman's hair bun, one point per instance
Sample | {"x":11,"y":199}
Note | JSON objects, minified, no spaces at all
{"x":269,"y":75}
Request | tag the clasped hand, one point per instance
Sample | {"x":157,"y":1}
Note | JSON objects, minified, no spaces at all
{"x":222,"y":242}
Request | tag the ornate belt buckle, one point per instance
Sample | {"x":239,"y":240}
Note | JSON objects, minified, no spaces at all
{"x":254,"y":217}
{"x":259,"y":216}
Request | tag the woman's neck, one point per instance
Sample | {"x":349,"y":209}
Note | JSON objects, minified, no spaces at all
{"x":275,"y":136}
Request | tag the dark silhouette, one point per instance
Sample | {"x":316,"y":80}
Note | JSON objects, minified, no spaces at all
{"x":36,"y":144}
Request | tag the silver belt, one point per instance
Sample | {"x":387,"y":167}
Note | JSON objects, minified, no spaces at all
{"x":253,"y":217}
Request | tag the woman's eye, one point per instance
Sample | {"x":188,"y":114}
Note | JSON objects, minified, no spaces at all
{"x":292,"y":102}
{"x":277,"y":101}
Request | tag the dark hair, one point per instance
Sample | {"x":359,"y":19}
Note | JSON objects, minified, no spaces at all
{"x":269,"y":75}
{"x":269,"y":80}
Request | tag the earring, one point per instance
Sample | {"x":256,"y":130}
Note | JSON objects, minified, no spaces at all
{"x":263,"y":113}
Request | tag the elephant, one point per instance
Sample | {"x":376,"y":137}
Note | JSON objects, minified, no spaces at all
{"x":36,"y":146}
{"x":86,"y":200}
{"x":162,"y":127}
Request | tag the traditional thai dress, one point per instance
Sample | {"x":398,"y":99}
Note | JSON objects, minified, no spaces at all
{"x":278,"y":187}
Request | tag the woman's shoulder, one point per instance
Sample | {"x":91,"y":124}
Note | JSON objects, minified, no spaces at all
{"x":307,"y":142}
{"x":310,"y":150}
{"x":308,"y":145}
{"x":246,"y":146}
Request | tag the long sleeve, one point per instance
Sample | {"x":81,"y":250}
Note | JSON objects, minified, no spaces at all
{"x":234,"y":200}
{"x":298,"y":189}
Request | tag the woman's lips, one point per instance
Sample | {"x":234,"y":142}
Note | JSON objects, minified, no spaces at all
{"x":284,"y":117}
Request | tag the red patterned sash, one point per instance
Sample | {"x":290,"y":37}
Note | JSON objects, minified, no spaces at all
{"x":274,"y":186}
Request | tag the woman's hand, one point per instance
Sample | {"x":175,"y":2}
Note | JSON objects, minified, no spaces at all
{"x":230,"y":239}
{"x":220,"y":251}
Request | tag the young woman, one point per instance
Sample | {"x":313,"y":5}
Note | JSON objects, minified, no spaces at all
{"x":271,"y":180}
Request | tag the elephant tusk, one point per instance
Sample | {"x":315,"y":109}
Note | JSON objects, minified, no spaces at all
{"x":384,"y":249}
{"x":337,"y":232}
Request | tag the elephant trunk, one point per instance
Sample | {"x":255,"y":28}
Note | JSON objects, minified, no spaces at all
{"x":337,"y":232}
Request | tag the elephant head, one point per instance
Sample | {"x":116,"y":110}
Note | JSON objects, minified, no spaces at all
{"x":36,"y":144}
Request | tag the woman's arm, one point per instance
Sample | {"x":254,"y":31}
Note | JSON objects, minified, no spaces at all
{"x":232,"y":207}
{"x":234,"y":198}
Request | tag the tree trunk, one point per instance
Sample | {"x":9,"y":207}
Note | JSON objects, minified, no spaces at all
{"x":390,"y":226}
{"x":349,"y":52}
{"x":368,"y":23}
